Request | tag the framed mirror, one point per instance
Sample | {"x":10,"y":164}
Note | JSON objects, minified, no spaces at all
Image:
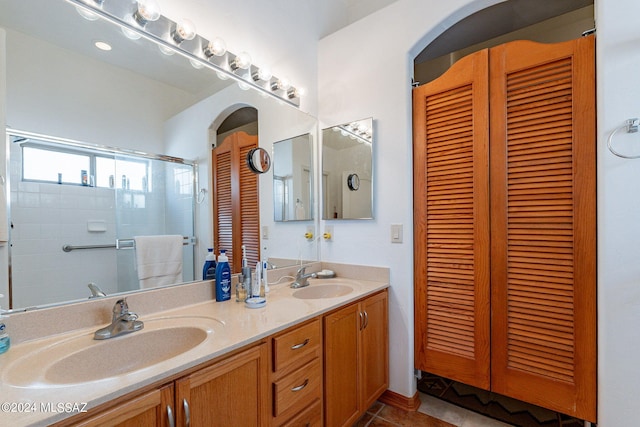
{"x":293,"y":179}
{"x":347,"y":170}
{"x":136,"y":98}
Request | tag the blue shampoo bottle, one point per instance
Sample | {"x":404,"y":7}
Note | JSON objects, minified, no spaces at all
{"x":223,"y":278}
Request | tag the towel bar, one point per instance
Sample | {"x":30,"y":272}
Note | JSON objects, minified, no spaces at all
{"x":121,"y":244}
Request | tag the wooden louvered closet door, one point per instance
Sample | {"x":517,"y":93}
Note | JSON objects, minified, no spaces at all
{"x":530,"y":277}
{"x":451,"y":223}
{"x":236,"y":211}
{"x":543,"y":226}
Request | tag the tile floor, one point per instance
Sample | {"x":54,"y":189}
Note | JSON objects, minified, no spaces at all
{"x":433,"y":412}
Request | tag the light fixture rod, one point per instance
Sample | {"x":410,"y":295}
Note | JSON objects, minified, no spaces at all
{"x":115,"y":12}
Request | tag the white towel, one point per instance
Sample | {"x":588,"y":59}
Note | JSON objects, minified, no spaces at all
{"x":158,"y":260}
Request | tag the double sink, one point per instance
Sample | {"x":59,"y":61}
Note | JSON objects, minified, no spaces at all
{"x":81,"y":359}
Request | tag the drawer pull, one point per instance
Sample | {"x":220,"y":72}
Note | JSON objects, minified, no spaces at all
{"x":187,"y":412}
{"x":302,"y":344}
{"x":172,"y":422}
{"x":301,"y":386}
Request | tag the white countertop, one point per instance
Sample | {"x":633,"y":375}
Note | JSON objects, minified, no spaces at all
{"x":233,"y":326}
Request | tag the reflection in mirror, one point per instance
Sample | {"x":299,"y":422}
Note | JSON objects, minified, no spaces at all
{"x":133,"y":97}
{"x":293,"y":179}
{"x":347,"y":171}
{"x":77,"y":210}
{"x":258,"y":160}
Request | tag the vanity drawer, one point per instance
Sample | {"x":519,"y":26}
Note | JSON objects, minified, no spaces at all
{"x":295,"y":346}
{"x":309,"y":417}
{"x":294,"y":391}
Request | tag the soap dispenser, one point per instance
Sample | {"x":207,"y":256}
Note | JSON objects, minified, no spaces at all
{"x":5,"y":341}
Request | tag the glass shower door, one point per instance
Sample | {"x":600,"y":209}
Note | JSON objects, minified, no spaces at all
{"x":152,"y":198}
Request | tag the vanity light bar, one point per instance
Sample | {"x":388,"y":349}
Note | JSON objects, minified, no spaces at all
{"x":196,"y":49}
{"x":354,"y":131}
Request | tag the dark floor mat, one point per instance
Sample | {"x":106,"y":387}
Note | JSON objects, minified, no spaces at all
{"x":493,"y":405}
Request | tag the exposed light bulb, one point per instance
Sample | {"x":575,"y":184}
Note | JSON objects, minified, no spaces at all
{"x":147,"y":11}
{"x":283,"y":83}
{"x":215,"y":47}
{"x":86,"y":14}
{"x":295,"y":92}
{"x":263,"y":73}
{"x":185,"y":30}
{"x":242,"y":61}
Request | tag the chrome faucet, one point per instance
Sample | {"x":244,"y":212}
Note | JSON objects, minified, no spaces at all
{"x":95,"y":291}
{"x":122,"y":322}
{"x":302,"y":278}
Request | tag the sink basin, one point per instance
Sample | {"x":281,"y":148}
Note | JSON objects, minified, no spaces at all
{"x":82,"y":359}
{"x":118,"y":356}
{"x":318,"y":291}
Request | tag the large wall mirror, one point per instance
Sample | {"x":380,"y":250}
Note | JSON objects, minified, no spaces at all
{"x":293,"y":179}
{"x":137,"y":98}
{"x":347,"y":171}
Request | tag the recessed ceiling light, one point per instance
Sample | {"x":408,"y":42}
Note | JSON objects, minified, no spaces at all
{"x":102,"y":45}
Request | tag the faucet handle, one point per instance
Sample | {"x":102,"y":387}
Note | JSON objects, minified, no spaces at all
{"x":120,"y":308}
{"x":301,"y":271}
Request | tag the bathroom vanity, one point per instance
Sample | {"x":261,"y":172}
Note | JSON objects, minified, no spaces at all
{"x":289,"y":363}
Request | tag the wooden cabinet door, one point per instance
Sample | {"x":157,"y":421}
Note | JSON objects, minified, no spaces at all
{"x":374,"y":349}
{"x":451,"y":223}
{"x":152,"y":409}
{"x":232,"y":392}
{"x":356,"y":359}
{"x":342,"y":330}
{"x":543,"y":224}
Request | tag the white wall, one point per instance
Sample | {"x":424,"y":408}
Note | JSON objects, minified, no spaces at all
{"x":367,"y":73}
{"x":618,"y":62}
{"x":91,"y":101}
{"x":187,"y":135}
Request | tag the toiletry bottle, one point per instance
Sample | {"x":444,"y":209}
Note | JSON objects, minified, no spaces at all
{"x":223,"y":278}
{"x":246,"y":274}
{"x":241,"y":292}
{"x":209,"y":268}
{"x":5,"y":341}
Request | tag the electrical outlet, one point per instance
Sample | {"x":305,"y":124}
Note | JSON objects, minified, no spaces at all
{"x":396,"y":233}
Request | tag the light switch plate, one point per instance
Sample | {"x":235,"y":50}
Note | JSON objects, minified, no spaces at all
{"x":265,"y":232}
{"x":396,"y":233}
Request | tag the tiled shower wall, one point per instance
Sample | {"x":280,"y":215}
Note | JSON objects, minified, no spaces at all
{"x":46,"y":216}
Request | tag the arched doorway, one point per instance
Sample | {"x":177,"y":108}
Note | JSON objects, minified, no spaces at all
{"x":236,"y":210}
